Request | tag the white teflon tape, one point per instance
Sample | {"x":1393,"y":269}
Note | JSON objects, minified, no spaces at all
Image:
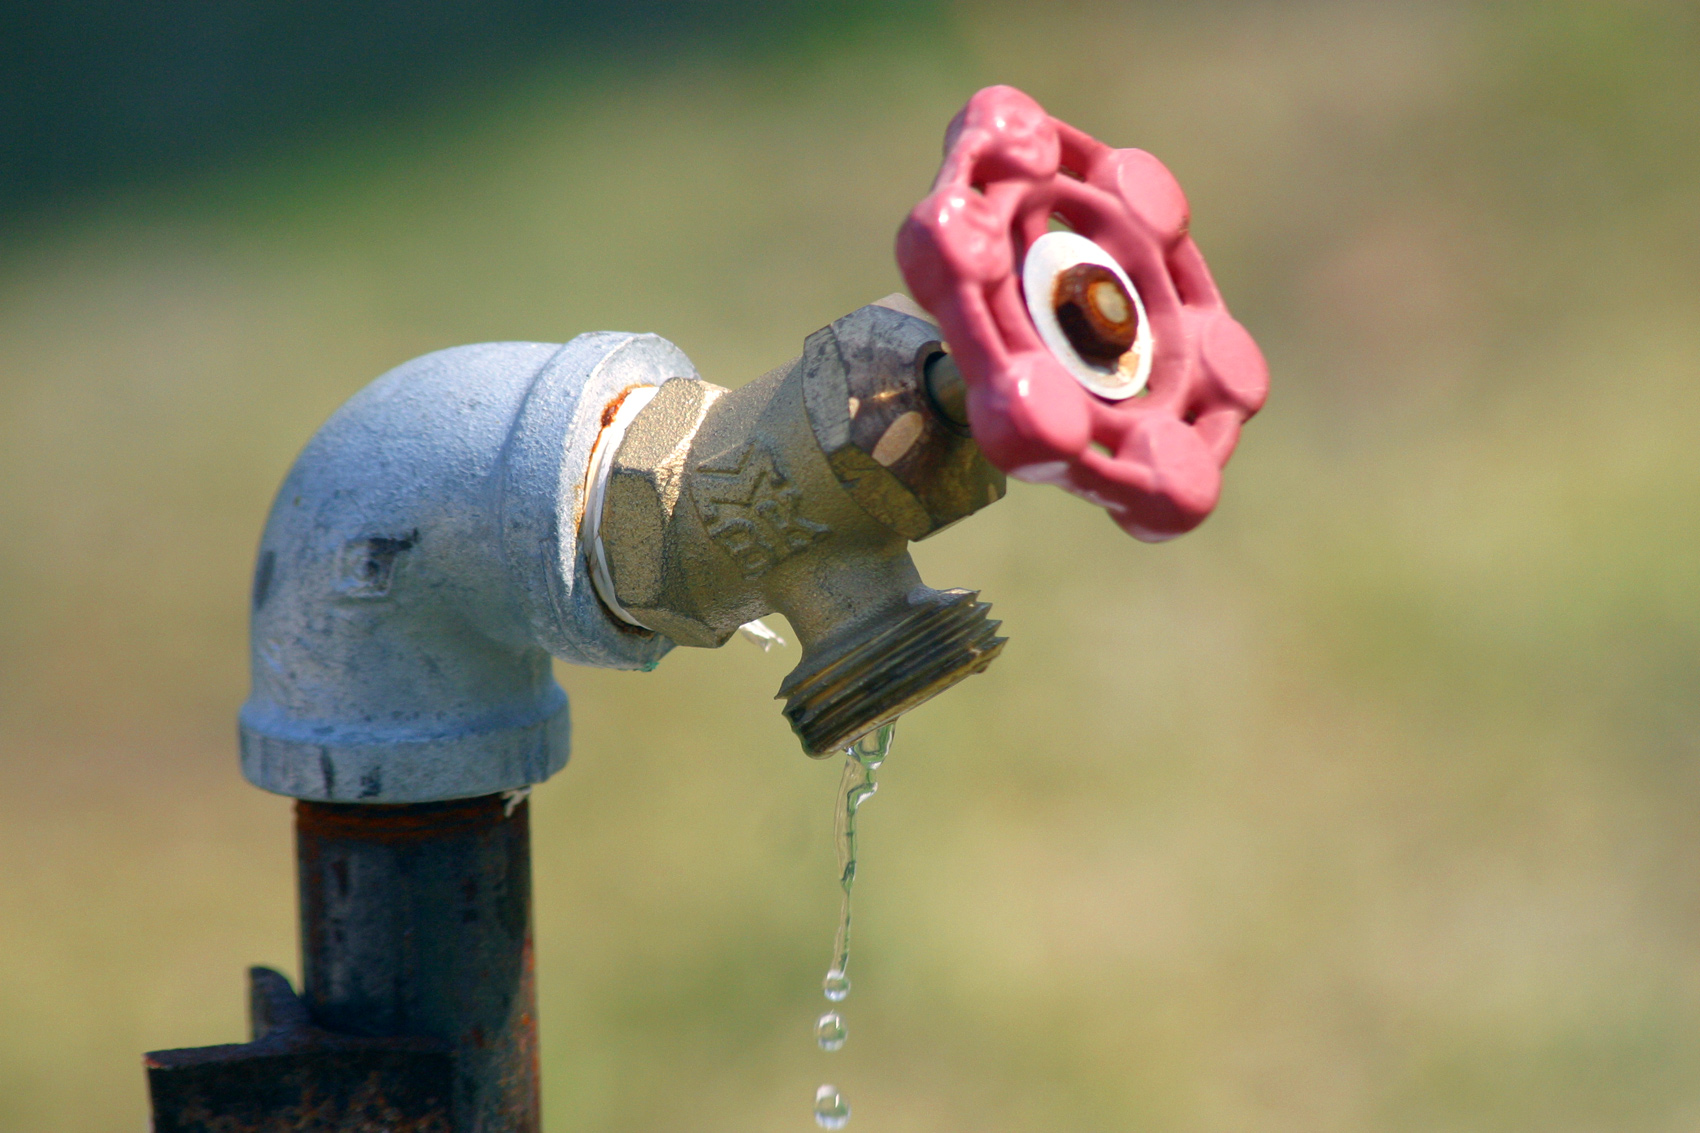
{"x":601,"y":462}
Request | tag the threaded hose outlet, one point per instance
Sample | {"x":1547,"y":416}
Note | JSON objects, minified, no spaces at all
{"x":941,"y":637}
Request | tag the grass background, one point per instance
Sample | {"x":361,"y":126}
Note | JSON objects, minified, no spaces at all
{"x":1368,"y":806}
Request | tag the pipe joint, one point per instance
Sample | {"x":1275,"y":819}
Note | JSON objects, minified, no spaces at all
{"x":420,"y":565}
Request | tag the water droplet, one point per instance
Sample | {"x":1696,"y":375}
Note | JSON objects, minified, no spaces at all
{"x":836,"y":985}
{"x":831,"y":1110}
{"x":830,"y":1032}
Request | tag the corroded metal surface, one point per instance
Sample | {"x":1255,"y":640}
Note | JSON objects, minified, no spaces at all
{"x":418,"y":1011}
{"x":296,"y":1076}
{"x":798,"y":493}
{"x":416,"y":920}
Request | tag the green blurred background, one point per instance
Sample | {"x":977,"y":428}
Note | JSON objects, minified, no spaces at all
{"x":1371,"y":805}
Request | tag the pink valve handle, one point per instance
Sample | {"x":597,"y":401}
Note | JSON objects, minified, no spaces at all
{"x":1154,"y":460}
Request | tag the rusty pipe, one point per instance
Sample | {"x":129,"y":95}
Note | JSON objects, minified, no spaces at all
{"x":416,"y":921}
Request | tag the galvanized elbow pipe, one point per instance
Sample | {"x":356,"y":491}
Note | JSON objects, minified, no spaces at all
{"x":422,"y":562}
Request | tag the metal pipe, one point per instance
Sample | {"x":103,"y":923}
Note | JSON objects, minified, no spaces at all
{"x":416,"y":921}
{"x":946,"y":389}
{"x":420,"y":565}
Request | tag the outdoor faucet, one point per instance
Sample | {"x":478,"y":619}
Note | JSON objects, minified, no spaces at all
{"x":478,"y":510}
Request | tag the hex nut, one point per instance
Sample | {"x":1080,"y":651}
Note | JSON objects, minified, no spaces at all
{"x":644,"y":489}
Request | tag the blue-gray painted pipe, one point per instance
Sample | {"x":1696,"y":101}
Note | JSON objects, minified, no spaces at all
{"x":420,"y":565}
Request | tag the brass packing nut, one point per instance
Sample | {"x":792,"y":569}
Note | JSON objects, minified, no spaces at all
{"x":905,"y":462}
{"x":798,"y":493}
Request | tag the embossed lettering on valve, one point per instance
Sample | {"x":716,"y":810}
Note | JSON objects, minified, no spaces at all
{"x":750,"y":508}
{"x":855,"y":787}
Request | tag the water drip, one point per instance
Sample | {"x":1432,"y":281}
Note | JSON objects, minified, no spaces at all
{"x":831,"y":1110}
{"x":855,"y":786}
{"x":830,"y":1032}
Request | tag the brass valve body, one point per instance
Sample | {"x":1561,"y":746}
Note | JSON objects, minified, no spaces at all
{"x":798,"y":493}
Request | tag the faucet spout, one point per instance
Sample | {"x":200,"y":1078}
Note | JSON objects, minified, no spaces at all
{"x":799,"y":493}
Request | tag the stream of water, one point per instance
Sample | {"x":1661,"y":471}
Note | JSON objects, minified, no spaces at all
{"x":855,"y":787}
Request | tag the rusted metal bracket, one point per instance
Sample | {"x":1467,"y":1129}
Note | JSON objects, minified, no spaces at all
{"x":295,"y":1076}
